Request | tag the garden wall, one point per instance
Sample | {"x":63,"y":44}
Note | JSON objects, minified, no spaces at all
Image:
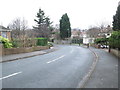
{"x":8,"y":51}
{"x":115,"y":52}
{"x":62,"y":41}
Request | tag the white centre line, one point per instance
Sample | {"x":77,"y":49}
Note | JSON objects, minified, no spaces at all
{"x":10,"y":75}
{"x":56,"y":59}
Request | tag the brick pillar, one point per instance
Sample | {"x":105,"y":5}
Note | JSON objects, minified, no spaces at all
{"x":9,"y":35}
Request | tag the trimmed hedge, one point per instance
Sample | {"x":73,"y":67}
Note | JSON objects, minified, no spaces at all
{"x":114,"y":40}
{"x":41,"y":41}
{"x":77,"y":41}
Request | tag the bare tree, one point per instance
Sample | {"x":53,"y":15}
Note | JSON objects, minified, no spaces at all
{"x":18,"y":27}
{"x":93,"y":32}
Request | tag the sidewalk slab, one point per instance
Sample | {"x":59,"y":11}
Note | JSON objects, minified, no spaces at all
{"x":105,"y":74}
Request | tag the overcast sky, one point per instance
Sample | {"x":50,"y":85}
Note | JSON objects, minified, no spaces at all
{"x":82,"y":13}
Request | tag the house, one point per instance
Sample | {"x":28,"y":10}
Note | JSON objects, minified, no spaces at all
{"x":87,"y":38}
{"x":105,"y":32}
{"x":90,"y":35}
{"x":5,"y":32}
{"x":76,"y":34}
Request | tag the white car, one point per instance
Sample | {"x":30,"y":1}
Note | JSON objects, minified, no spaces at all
{"x":104,"y":46}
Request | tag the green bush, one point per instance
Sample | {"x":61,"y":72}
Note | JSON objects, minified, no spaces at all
{"x":15,"y":43}
{"x":6,"y":43}
{"x":114,"y":40}
{"x":41,"y":41}
{"x":77,"y":41}
{"x":50,"y":44}
{"x":101,"y":40}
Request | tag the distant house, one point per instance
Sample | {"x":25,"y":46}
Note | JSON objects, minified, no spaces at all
{"x":77,"y":34}
{"x":5,"y":32}
{"x":86,"y":37}
{"x":105,"y":32}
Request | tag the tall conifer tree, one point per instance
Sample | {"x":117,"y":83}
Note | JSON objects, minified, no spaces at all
{"x":116,"y":20}
{"x":65,"y":28}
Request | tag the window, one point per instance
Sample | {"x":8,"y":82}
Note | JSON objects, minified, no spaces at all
{"x":4,"y":34}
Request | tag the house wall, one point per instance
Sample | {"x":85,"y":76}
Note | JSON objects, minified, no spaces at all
{"x":9,"y":35}
{"x":85,"y":40}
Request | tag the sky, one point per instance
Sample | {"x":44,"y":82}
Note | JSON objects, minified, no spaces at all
{"x":83,"y":14}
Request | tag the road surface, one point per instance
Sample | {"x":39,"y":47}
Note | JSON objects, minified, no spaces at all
{"x":64,"y":68}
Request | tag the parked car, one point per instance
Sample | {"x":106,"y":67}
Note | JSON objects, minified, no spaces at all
{"x":104,"y":46}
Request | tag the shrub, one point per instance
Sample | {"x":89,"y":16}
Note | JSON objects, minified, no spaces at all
{"x":101,"y":40}
{"x":50,"y":44}
{"x":77,"y":41}
{"x":6,"y":43}
{"x":41,"y":41}
{"x":114,"y":40}
{"x":15,"y":43}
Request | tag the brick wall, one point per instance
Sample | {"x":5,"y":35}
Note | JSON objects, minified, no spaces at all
{"x":9,"y":35}
{"x":8,"y":51}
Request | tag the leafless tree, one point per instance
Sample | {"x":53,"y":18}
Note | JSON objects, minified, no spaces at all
{"x":18,"y":27}
{"x":42,"y":31}
{"x":93,"y":32}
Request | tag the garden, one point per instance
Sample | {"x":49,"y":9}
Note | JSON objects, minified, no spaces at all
{"x":16,"y":46}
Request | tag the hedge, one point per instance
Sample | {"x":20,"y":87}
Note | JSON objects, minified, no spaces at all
{"x":114,"y":40}
{"x":41,"y":41}
{"x":77,"y":41}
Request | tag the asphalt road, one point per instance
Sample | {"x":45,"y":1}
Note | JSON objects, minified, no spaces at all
{"x":64,"y":68}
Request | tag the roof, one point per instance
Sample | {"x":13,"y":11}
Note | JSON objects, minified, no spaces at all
{"x":2,"y":28}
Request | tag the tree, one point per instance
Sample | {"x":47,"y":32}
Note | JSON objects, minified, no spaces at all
{"x":93,"y":32}
{"x":43,"y":24}
{"x":116,"y":20}
{"x":114,"y":40}
{"x":18,"y":27}
{"x":65,"y":28}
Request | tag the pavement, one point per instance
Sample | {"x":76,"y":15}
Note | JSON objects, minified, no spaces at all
{"x":65,"y":68}
{"x":13,"y":57}
{"x":105,"y":74}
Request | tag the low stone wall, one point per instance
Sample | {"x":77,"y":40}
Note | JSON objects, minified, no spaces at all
{"x":8,"y":51}
{"x":115,"y":52}
{"x":94,"y":45}
{"x":62,"y":41}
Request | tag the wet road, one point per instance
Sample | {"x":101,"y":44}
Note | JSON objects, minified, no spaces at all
{"x":64,"y":68}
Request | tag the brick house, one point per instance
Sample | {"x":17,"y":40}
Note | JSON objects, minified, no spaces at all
{"x":5,"y":32}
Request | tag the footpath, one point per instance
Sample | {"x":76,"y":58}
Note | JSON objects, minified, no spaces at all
{"x":105,"y":74}
{"x":13,"y":57}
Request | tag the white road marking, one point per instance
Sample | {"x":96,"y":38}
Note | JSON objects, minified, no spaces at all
{"x":56,"y":59}
{"x":10,"y":75}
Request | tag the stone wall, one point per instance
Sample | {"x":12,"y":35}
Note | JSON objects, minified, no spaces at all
{"x":115,"y":52}
{"x":8,"y":51}
{"x":62,"y":41}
